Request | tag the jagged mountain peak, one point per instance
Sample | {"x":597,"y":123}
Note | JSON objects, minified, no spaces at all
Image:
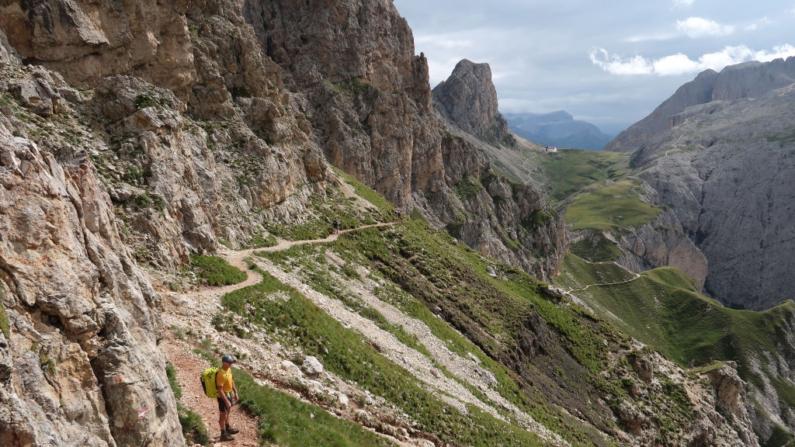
{"x":746,"y":80}
{"x":468,"y":99}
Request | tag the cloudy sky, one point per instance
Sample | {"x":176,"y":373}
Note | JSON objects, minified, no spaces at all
{"x":610,"y":62}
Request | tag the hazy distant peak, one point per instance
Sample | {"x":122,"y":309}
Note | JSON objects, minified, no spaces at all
{"x":557,"y":129}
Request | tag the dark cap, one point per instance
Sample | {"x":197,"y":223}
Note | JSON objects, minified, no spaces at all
{"x":228,"y":359}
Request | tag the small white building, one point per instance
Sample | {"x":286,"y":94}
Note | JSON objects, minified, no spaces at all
{"x":551,"y":149}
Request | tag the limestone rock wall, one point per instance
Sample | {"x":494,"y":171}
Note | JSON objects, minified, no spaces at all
{"x":723,"y":173}
{"x":468,"y":99}
{"x":86,"y":40}
{"x":81,"y":365}
{"x":663,"y":244}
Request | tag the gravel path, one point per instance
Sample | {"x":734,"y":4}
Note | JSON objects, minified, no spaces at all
{"x":189,"y":367}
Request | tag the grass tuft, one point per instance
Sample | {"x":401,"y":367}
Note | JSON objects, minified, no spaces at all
{"x":215,"y":271}
{"x":5,"y":326}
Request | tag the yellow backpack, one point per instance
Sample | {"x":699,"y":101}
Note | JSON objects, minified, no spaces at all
{"x":208,"y":382}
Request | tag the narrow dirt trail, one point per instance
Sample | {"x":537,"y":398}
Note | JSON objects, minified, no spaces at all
{"x":606,"y":284}
{"x":237,"y":259}
{"x":285,"y":245}
{"x":635,"y":277}
{"x":189,"y":366}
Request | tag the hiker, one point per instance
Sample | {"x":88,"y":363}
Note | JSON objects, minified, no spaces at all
{"x":226,"y":386}
{"x":399,"y":214}
{"x":336,"y":225}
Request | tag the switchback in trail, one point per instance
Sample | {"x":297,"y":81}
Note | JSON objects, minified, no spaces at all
{"x":189,"y":365}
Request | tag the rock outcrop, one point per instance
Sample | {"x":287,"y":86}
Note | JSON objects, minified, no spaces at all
{"x":368,"y":98}
{"x":747,"y":80}
{"x":662,"y":244}
{"x":81,"y":365}
{"x":722,"y":171}
{"x":85,"y":41}
{"x":468,"y":99}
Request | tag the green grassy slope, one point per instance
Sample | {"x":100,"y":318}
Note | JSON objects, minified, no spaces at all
{"x":543,"y":351}
{"x":578,"y":273}
{"x":596,"y":248}
{"x":662,"y":309}
{"x":346,"y":354}
{"x":612,"y":206}
{"x":570,"y":170}
{"x":546,"y":353}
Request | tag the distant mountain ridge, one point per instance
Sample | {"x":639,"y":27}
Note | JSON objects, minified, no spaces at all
{"x":741,"y":81}
{"x":557,"y":129}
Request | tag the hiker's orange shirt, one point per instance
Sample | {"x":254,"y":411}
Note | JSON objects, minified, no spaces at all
{"x":224,"y":379}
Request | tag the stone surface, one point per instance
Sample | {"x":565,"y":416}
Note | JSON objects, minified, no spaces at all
{"x":722,"y":172}
{"x":468,"y":99}
{"x":312,"y":366}
{"x":662,"y":243}
{"x":86,"y":41}
{"x":86,"y":367}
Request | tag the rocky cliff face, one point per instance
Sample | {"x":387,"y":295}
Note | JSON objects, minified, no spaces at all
{"x":80,"y":363}
{"x":468,"y":99}
{"x":85,"y":41}
{"x":722,"y":172}
{"x":653,"y":246}
{"x":187,"y":133}
{"x":365,"y":92}
{"x":127,"y":170}
{"x":368,"y":98}
{"x":747,"y":80}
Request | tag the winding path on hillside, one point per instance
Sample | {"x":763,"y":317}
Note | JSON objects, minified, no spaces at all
{"x":188,"y":365}
{"x":635,"y":277}
{"x":237,"y":259}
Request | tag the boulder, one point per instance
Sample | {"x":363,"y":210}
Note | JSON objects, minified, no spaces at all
{"x":312,"y":366}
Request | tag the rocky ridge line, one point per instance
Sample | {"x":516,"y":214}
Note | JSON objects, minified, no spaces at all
{"x":736,"y":82}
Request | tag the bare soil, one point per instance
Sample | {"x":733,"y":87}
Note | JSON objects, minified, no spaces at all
{"x":189,"y":367}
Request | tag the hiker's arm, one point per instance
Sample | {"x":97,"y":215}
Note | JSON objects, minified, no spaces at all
{"x":220,"y":389}
{"x":234,"y":388}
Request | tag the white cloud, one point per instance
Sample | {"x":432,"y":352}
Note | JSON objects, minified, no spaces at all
{"x":443,"y":41}
{"x":698,"y":27}
{"x":764,"y":22}
{"x":683,"y":4}
{"x":617,"y":65}
{"x":680,"y":64}
{"x":651,"y":38}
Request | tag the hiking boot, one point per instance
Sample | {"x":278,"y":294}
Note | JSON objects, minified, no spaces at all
{"x":232,"y":431}
{"x":225,"y":436}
